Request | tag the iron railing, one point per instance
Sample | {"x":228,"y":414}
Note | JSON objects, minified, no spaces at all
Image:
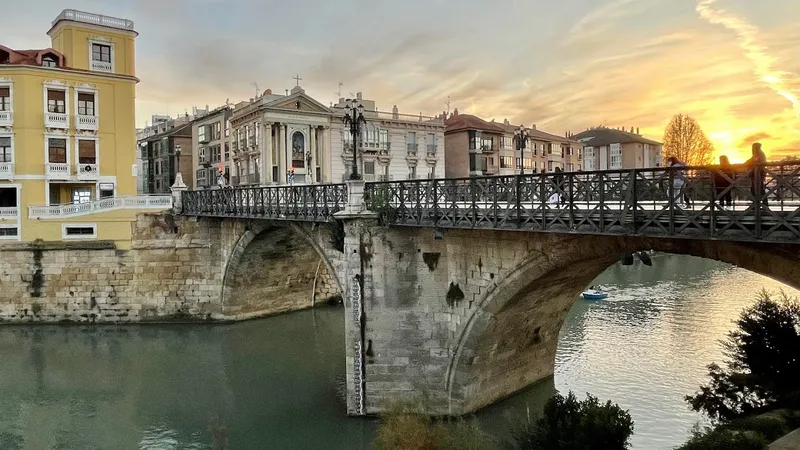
{"x":312,"y":202}
{"x":620,"y":202}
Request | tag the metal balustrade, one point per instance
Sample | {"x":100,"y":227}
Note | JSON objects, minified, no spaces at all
{"x":643,"y":202}
{"x":619,"y":202}
{"x":311,"y":202}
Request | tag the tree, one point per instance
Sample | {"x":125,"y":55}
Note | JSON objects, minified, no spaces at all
{"x":763,"y":365}
{"x":685,"y":140}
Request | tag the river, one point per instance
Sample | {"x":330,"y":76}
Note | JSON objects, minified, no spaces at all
{"x":278,"y":383}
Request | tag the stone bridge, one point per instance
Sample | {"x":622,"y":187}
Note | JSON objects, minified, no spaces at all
{"x":456,"y":318}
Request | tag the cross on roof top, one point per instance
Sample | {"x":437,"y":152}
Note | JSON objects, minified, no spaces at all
{"x":297,"y":78}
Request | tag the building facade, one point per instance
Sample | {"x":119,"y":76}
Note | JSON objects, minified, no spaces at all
{"x":211,"y":149}
{"x":293,"y":138}
{"x":613,"y":149}
{"x":476,"y":147}
{"x":162,"y":157}
{"x":67,"y":133}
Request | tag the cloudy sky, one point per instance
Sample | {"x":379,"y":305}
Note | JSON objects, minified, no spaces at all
{"x":734,"y":65}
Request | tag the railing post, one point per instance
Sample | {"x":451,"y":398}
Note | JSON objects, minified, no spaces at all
{"x":634,"y":198}
{"x":518,"y":200}
{"x":435,"y":202}
{"x":355,"y":197}
{"x":758,"y":184}
{"x":177,"y":189}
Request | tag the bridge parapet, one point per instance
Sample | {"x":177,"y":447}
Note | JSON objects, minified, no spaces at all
{"x":694,"y":202}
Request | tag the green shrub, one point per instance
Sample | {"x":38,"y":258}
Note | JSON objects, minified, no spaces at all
{"x":771,"y":427}
{"x":725,"y":439}
{"x":567,"y":423}
{"x":404,"y":429}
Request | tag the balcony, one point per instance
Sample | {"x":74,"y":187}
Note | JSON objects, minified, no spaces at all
{"x":432,"y":150}
{"x":158,"y":202}
{"x":88,"y":171}
{"x":9,"y":213}
{"x":412,"y":149}
{"x":57,"y":171}
{"x":56,"y":120}
{"x":94,"y":19}
{"x":88,"y":123}
{"x":6,"y":171}
{"x":102,"y":66}
{"x":6,"y":118}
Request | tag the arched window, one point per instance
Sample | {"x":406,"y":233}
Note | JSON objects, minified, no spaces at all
{"x":298,"y":149}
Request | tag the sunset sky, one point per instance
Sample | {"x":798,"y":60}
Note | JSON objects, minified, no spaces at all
{"x":734,"y":65}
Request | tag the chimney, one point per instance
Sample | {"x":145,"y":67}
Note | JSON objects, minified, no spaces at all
{"x":287,"y":92}
{"x":533,"y":127}
{"x":505,"y":122}
{"x":358,"y":96}
{"x":268,"y":92}
{"x":637,"y":130}
{"x":395,"y":111}
{"x":455,"y":112}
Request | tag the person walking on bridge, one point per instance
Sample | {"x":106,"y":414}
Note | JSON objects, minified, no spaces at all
{"x":723,"y":178}
{"x":678,"y":178}
{"x":758,"y":174}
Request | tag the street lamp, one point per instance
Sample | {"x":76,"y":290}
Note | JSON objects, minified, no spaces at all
{"x":354,"y":117}
{"x":177,"y":158}
{"x":521,"y":137}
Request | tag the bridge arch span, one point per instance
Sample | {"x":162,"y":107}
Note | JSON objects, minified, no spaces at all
{"x":510,"y":338}
{"x":278,"y":266}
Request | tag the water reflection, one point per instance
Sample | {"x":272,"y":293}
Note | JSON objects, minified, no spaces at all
{"x":279,"y":382}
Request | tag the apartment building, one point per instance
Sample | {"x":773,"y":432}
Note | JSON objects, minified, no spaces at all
{"x":211,"y":148}
{"x":67,"y":134}
{"x":476,"y":147}
{"x":611,"y":148}
{"x":159,"y":124}
{"x":393,"y":146}
{"x":293,"y":138}
{"x":162,"y":157}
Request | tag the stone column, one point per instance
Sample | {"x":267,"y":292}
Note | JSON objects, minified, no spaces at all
{"x":357,"y":293}
{"x":177,"y":193}
{"x":326,"y":154}
{"x":266,"y":155}
{"x":312,"y":136}
{"x":281,"y":153}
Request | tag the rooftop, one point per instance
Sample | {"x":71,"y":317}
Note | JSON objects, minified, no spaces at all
{"x":94,"y":19}
{"x":600,"y":136}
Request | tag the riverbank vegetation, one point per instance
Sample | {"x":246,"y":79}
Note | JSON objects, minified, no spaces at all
{"x":566,"y":423}
{"x":755,"y":398}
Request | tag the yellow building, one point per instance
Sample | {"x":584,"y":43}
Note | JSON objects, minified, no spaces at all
{"x":67,"y":134}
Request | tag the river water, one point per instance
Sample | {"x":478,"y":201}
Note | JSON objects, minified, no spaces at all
{"x":278,"y":383}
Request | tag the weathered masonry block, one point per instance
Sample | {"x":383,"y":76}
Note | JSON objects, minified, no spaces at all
{"x":460,"y":322}
{"x":178,"y":269}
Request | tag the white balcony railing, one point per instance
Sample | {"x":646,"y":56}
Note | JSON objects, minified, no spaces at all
{"x":57,"y":171}
{"x":101,"y":66}
{"x":6,"y":213}
{"x":56,"y":120}
{"x":87,"y":171}
{"x":6,"y":171}
{"x":6,"y":118}
{"x":94,"y":19}
{"x":160,"y":202}
{"x":86,"y":122}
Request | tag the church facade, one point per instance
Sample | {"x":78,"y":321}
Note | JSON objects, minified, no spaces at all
{"x":294,"y":139}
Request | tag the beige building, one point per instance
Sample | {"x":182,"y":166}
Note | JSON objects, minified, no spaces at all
{"x":211,"y":148}
{"x":613,"y":149}
{"x":475,"y":147}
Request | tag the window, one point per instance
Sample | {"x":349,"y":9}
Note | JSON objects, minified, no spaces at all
{"x":79,"y":231}
{"x":228,"y":151}
{"x":616,"y":156}
{"x":529,"y":164}
{"x":227,"y":128}
{"x":549,"y":166}
{"x":412,"y":172}
{"x":215,"y":154}
{"x":8,"y":232}
{"x":589,"y":160}
{"x":369,"y":167}
{"x":474,"y":140}
{"x":5,"y":98}
{"x":487,"y":144}
{"x":384,"y":140}
{"x":106,"y":190}
{"x":505,"y":142}
{"x":101,"y":53}
{"x":81,"y":195}
{"x":49,"y":61}
{"x":57,"y":151}
{"x":517,"y":162}
{"x":431,"y":144}
{"x":56,"y":101}
{"x":201,"y":133}
{"x":87,"y":151}
{"x":201,"y":154}
{"x":506,"y":162}
{"x":550,"y":148}
{"x":6,"y":153}
{"x":85,"y":104}
{"x":411,"y":142}
{"x":216,"y":131}
{"x":477,"y":162}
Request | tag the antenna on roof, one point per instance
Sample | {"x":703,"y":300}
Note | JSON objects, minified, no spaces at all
{"x":255,"y":85}
{"x":339,"y":92}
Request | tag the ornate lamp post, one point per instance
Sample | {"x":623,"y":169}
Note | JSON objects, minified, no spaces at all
{"x":309,"y":169}
{"x":354,"y":118}
{"x":521,"y":138}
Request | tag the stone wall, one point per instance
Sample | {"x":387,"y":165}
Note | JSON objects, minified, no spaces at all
{"x":325,"y":288}
{"x":464,"y":321}
{"x":175,"y":271}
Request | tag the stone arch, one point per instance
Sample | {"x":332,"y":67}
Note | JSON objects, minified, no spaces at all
{"x":510,"y":339}
{"x":259,"y":259}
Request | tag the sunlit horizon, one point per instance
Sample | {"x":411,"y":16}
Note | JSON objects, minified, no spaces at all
{"x":729,"y":64}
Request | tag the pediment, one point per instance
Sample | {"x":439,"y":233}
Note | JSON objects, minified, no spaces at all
{"x":299,"y":102}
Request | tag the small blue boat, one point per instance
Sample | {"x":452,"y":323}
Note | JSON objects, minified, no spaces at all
{"x":594,"y":294}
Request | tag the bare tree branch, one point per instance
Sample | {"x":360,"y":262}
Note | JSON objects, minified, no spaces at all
{"x":684,"y":139}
